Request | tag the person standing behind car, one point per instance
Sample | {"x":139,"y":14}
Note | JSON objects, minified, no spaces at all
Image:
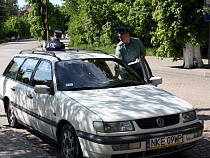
{"x":18,"y":37}
{"x":13,"y":38}
{"x":55,"y":44}
{"x":129,"y":49}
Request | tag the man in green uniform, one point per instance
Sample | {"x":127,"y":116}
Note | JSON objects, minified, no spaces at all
{"x":129,"y":49}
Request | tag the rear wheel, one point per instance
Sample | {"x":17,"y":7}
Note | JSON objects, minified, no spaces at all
{"x":12,"y":120}
{"x":69,"y":143}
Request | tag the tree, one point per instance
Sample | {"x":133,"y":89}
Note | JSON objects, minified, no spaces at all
{"x":3,"y":11}
{"x":91,"y":22}
{"x":180,"y":27}
{"x":77,"y":22}
{"x":11,"y":7}
{"x":2,"y":17}
{"x":171,"y":25}
{"x":37,"y":18}
{"x":139,"y":17}
{"x":16,"y":25}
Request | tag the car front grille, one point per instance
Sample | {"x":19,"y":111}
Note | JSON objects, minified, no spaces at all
{"x":152,"y":122}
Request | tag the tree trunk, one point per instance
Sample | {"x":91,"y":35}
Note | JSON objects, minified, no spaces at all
{"x":192,"y":56}
{"x":188,"y":55}
{"x":197,"y":61}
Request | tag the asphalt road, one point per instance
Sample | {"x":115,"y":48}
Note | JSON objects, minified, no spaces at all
{"x":192,"y":88}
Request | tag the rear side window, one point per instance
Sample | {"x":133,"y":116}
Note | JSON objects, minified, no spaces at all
{"x":26,"y":70}
{"x":43,"y":75}
{"x":13,"y":67}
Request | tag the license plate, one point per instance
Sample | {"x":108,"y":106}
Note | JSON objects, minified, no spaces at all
{"x":163,"y":142}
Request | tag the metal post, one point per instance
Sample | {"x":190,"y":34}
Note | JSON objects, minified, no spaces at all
{"x":209,"y":48}
{"x":47,"y":26}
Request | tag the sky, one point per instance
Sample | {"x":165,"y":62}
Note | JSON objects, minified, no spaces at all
{"x":21,"y":3}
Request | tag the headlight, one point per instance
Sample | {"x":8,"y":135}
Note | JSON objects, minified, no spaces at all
{"x":189,"y":116}
{"x":110,"y":127}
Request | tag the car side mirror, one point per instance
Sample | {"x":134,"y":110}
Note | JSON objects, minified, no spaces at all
{"x":42,"y":89}
{"x":156,"y":80}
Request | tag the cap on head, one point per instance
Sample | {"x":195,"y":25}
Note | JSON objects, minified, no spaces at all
{"x":121,"y":30}
{"x":58,"y":33}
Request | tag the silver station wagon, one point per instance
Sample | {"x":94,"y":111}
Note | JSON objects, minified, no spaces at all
{"x":93,"y":109}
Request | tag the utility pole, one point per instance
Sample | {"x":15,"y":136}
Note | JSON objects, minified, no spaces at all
{"x":47,"y":26}
{"x":209,"y":48}
{"x":207,"y":18}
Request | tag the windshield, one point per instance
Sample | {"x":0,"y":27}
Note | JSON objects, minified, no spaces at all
{"x":93,"y":74}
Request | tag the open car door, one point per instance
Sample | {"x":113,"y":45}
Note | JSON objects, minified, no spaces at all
{"x":148,"y":73}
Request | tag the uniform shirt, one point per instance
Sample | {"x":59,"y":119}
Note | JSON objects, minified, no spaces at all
{"x":129,"y":52}
{"x":54,"y":45}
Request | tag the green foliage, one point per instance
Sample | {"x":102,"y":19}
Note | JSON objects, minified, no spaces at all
{"x":167,"y":24}
{"x":92,"y":20}
{"x":95,"y":20}
{"x":55,"y":19}
{"x":77,"y":30}
{"x":178,"y":22}
{"x":16,"y":25}
{"x":8,"y":8}
{"x":2,"y":34}
{"x":11,"y":8}
{"x":3,"y":11}
{"x":108,"y":49}
{"x":2,"y":18}
{"x":37,"y":18}
{"x":140,"y":19}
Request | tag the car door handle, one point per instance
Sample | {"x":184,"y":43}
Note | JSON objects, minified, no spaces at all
{"x":29,"y":96}
{"x":13,"y":89}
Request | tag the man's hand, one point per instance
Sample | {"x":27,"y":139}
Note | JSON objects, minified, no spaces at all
{"x":116,"y":66}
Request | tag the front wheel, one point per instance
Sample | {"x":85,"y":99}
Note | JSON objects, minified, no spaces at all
{"x":69,"y":143}
{"x":12,"y":120}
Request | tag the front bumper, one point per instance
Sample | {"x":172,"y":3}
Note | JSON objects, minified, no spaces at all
{"x":102,"y":145}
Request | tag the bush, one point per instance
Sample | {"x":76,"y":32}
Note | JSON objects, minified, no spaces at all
{"x":16,"y":25}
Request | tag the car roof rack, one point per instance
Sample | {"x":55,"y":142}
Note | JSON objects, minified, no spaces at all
{"x":93,"y":50}
{"x":38,"y":52}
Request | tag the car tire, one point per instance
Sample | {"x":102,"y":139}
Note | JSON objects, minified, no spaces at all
{"x":69,"y":143}
{"x":12,"y":120}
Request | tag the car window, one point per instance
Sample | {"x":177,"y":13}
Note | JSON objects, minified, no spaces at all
{"x":26,"y":70}
{"x":93,"y":73}
{"x":13,"y":67}
{"x":43,"y":74}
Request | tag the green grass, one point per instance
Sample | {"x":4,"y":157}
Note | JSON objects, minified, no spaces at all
{"x":111,"y":49}
{"x":5,"y":40}
{"x":151,"y":51}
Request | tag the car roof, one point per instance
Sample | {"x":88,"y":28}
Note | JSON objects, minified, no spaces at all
{"x":67,"y":54}
{"x":81,"y":55}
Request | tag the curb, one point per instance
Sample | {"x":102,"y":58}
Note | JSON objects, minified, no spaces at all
{"x":198,"y":72}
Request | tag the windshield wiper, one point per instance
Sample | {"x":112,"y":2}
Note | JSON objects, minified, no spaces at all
{"x":85,"y":88}
{"x":81,"y":88}
{"x":125,"y":84}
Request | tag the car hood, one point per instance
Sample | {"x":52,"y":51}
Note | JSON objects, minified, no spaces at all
{"x":129,"y":103}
